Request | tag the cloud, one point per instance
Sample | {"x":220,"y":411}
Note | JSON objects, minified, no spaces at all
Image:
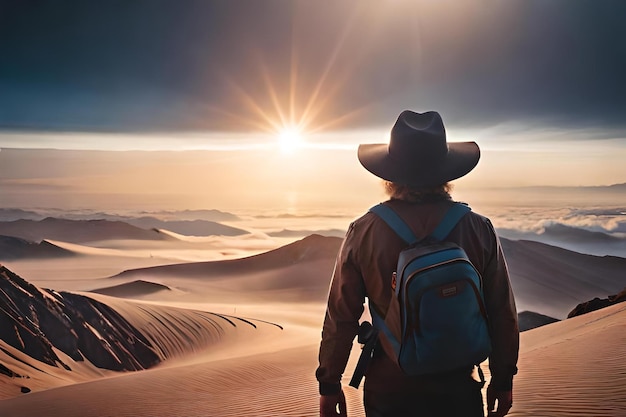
{"x":233,"y":66}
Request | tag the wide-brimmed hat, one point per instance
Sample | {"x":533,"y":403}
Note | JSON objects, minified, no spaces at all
{"x":418,"y":154}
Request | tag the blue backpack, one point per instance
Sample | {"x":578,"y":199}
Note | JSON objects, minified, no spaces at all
{"x":436,"y":321}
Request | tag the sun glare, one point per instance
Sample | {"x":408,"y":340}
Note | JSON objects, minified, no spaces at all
{"x":290,"y":139}
{"x":295,"y":109}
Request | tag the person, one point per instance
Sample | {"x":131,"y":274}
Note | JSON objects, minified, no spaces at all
{"x":417,"y":166}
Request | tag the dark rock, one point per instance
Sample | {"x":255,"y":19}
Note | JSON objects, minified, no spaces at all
{"x":6,"y":371}
{"x":25,"y":390}
{"x":35,"y":321}
{"x":597,"y":304}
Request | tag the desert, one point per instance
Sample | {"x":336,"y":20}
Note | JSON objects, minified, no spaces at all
{"x":177,"y":178}
{"x":239,"y":336}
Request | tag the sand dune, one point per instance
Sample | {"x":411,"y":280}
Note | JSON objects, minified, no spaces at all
{"x":311,"y":248}
{"x":564,"y":371}
{"x":546,"y":279}
{"x":132,"y":289}
{"x":16,"y":248}
{"x":51,"y":339}
{"x":576,"y":367}
{"x":552,"y":281}
{"x":530,"y":320}
{"x":300,"y":270}
{"x":302,"y":233}
{"x":215,"y":360}
{"x":77,"y":231}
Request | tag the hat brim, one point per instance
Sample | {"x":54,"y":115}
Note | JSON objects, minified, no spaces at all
{"x":461,"y":158}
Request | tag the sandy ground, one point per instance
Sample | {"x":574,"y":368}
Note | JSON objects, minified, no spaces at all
{"x":255,"y":354}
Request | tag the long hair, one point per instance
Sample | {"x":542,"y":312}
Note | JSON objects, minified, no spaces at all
{"x":418,"y":195}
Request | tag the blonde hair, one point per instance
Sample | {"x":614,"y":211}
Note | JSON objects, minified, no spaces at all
{"x":418,"y":194}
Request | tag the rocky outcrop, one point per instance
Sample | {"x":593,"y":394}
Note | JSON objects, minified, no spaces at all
{"x":35,"y":321}
{"x":597,"y":304}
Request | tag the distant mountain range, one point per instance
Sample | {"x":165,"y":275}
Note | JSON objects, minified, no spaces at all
{"x":574,"y":234}
{"x":77,"y":231}
{"x":563,"y":232}
{"x":10,"y":214}
{"x":572,"y":238}
{"x":187,"y":227}
{"x":620,"y":187}
{"x":186,"y":222}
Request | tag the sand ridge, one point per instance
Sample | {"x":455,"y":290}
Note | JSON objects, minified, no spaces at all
{"x":224,"y":355}
{"x":564,"y":371}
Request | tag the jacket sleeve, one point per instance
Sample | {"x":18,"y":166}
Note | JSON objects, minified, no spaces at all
{"x":346,"y":300}
{"x":502,"y":314}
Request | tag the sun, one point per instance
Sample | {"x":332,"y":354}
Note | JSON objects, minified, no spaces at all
{"x":290,"y":138}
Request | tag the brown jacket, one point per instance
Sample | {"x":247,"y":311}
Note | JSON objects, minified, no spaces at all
{"x":364,"y":267}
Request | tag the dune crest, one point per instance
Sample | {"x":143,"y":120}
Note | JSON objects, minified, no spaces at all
{"x":71,"y":336}
{"x":564,"y":371}
{"x":132,"y":289}
{"x":224,"y":364}
{"x":17,"y":248}
{"x":574,"y":367}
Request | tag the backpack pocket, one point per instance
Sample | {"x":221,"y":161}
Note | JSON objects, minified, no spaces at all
{"x":446,"y":328}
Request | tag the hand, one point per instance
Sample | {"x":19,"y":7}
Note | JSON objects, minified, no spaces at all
{"x":333,"y":405}
{"x":505,"y":402}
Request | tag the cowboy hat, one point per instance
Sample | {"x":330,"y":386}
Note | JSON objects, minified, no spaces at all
{"x":418,"y":154}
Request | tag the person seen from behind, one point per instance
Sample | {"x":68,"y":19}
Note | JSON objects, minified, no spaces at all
{"x":417,"y":166}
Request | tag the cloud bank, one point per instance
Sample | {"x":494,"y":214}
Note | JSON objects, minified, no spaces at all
{"x":241,"y":66}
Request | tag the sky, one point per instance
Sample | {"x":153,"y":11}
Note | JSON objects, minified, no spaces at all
{"x":539,"y":85}
{"x":227,"y":66}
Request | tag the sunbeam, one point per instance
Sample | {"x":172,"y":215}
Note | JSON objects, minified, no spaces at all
{"x":301,"y":101}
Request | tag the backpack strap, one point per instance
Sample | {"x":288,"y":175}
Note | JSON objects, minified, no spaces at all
{"x":452,"y":217}
{"x":393,"y":220}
